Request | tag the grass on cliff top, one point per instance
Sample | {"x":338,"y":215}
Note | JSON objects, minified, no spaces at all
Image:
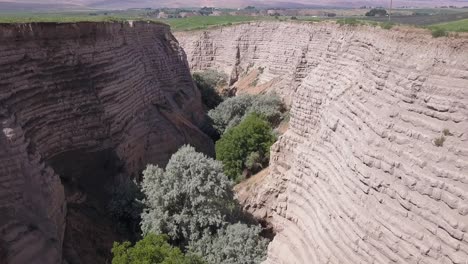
{"x":203,"y":22}
{"x":66,"y":18}
{"x":454,"y":26}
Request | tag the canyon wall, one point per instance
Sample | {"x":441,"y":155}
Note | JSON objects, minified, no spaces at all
{"x":374,"y":166}
{"x":77,"y":100}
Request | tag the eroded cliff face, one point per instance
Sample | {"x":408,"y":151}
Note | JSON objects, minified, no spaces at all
{"x":85,"y":103}
{"x":358,"y":177}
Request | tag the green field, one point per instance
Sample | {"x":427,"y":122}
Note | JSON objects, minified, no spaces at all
{"x":454,"y":26}
{"x":202,"y":22}
{"x":66,"y":17}
{"x":177,"y":24}
{"x":442,"y":22}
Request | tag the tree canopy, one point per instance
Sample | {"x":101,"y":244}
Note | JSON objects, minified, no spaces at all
{"x":377,"y":12}
{"x":189,"y":196}
{"x":234,"y":244}
{"x":232,"y":111}
{"x":253,"y":135}
{"x":153,"y":249}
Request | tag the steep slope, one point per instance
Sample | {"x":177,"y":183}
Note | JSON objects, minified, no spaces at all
{"x":85,"y":103}
{"x":358,"y":177}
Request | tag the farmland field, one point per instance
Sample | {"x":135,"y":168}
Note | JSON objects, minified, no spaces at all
{"x":454,"y":26}
{"x":423,"y":20}
{"x":202,"y":22}
{"x":66,"y":17}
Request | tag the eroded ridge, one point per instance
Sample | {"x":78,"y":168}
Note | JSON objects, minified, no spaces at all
{"x":361,"y":175}
{"x":83,"y":88}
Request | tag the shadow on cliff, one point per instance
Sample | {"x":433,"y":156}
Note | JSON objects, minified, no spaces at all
{"x":90,"y":230}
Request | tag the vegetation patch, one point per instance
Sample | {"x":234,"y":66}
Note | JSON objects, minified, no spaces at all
{"x":447,"y":132}
{"x":349,"y":21}
{"x":438,"y":32}
{"x":387,"y":25}
{"x":245,"y":145}
{"x":190,"y":207}
{"x":233,"y":110}
{"x":204,"y":22}
{"x":454,"y":26}
{"x":70,"y":18}
{"x":209,"y":82}
{"x":153,"y":249}
{"x":124,"y":205}
{"x":439,"y":142}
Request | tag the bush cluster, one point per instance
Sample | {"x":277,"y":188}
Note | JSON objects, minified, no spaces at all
{"x":124,"y":205}
{"x":233,"y":110}
{"x":234,"y":244}
{"x":192,"y":194}
{"x":245,"y":146}
{"x":439,"y":32}
{"x":152,"y":249}
{"x":191,"y":201}
{"x":377,"y":12}
{"x":208,"y":83}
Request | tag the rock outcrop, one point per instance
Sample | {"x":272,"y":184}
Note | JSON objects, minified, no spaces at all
{"x":77,"y":98}
{"x":374,"y":166}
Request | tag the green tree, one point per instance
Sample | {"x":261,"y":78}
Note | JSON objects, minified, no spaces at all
{"x":234,"y":244}
{"x":233,"y":110}
{"x":153,"y":249}
{"x":208,"y":82}
{"x":377,"y":12}
{"x":192,"y":194}
{"x":124,"y":205}
{"x":254,"y":134}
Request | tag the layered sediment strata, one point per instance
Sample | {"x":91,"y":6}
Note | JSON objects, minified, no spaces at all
{"x":374,"y":166}
{"x":74,"y":96}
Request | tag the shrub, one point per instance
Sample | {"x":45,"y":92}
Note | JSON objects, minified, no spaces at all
{"x":254,"y":162}
{"x":208,"y":82}
{"x":254,"y":83}
{"x":348,"y":21}
{"x":447,"y":132}
{"x":387,"y":25}
{"x":192,"y":194}
{"x":254,"y":134}
{"x":124,"y":205}
{"x":152,"y":249}
{"x":438,"y":32}
{"x":439,"y":142}
{"x":269,"y":106}
{"x":230,"y":113}
{"x":377,"y":12}
{"x":234,"y":244}
{"x":233,"y":110}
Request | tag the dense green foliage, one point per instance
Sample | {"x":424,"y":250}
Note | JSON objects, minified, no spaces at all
{"x":192,"y":201}
{"x":438,"y":32}
{"x":153,"y":249}
{"x":233,"y":110}
{"x":208,"y":83}
{"x":203,"y":22}
{"x":377,"y":12}
{"x":124,"y":205}
{"x":234,"y":244}
{"x":70,"y":17}
{"x":454,"y":26}
{"x":253,"y":135}
{"x":192,"y":194}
